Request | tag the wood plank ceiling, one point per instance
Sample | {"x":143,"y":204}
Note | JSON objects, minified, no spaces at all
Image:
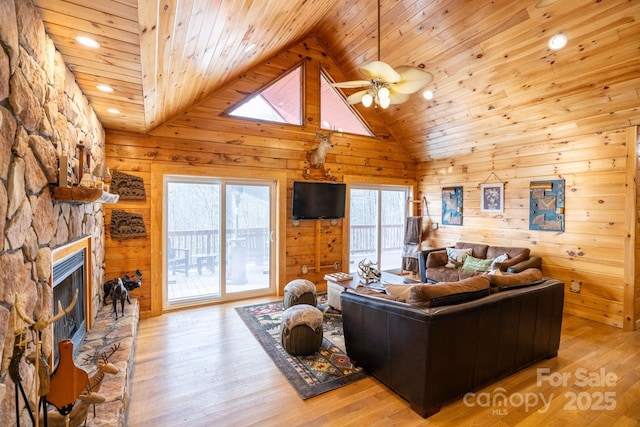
{"x":494,"y":74}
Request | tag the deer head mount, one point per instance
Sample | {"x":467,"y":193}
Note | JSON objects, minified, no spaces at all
{"x":319,"y":150}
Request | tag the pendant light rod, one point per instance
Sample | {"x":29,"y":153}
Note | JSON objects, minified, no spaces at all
{"x":379,"y":7}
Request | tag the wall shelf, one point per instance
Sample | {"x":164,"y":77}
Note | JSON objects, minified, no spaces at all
{"x":83,"y":195}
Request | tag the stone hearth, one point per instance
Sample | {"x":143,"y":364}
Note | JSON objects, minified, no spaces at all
{"x":105,"y":333}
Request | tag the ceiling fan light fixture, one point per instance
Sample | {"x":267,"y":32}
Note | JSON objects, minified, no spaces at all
{"x":367,"y":100}
{"x":383,"y":93}
{"x":386,"y":85}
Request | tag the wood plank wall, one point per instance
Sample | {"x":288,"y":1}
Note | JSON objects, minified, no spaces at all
{"x":593,"y":163}
{"x":634,"y":137}
{"x":591,"y":250}
{"x":201,"y":139}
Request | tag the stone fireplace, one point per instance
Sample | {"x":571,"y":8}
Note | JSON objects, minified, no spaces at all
{"x":43,"y":115}
{"x":71,"y":272}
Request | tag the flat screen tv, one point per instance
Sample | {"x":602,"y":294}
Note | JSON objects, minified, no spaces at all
{"x":318,"y":200}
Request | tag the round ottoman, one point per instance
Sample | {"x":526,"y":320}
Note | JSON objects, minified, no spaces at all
{"x":301,"y":329}
{"x":299,"y":291}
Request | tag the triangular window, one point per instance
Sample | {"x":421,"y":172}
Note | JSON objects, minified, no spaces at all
{"x":280,"y":102}
{"x":335,"y":113}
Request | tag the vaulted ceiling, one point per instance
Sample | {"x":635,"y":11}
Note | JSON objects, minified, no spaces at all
{"x":494,"y":74}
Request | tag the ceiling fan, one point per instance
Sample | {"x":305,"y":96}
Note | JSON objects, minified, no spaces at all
{"x":386,"y":85}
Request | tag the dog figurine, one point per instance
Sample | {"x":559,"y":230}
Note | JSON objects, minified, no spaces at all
{"x":119,"y":293}
{"x":128,"y":282}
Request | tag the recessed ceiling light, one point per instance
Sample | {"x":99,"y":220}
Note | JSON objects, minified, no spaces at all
{"x":105,"y":88}
{"x":87,"y":41}
{"x":249,"y":48}
{"x":557,"y":42}
{"x":427,"y":94}
{"x":113,"y":110}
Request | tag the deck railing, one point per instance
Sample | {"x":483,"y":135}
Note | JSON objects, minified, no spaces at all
{"x":207,"y":242}
{"x":256,"y":241}
{"x":364,"y":239}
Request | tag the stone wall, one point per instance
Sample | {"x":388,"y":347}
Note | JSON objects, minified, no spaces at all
{"x":43,"y":114}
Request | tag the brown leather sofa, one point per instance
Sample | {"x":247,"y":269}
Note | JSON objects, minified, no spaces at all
{"x":431,"y":356}
{"x":432,"y":262}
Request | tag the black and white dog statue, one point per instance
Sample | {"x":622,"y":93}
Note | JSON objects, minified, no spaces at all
{"x":119,"y":293}
{"x":128,"y":284}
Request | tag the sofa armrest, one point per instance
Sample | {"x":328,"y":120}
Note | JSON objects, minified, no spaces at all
{"x":532,"y":262}
{"x":422,"y":262}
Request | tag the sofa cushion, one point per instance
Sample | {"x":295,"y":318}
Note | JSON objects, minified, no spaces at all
{"x":478,"y":250}
{"x":494,"y":251}
{"x":444,"y":274}
{"x":476,"y":264}
{"x":457,"y":256}
{"x":437,"y":259}
{"x":527,"y":277}
{"x":398,"y":292}
{"x":423,"y":294}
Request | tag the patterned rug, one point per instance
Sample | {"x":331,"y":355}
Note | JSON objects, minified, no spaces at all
{"x":325,"y":370}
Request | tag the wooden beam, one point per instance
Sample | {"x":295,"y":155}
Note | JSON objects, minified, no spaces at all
{"x":631,"y":215}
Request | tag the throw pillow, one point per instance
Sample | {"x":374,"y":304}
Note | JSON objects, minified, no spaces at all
{"x":437,"y":259}
{"x":422,"y":295}
{"x":476,"y":264}
{"x":457,"y":256}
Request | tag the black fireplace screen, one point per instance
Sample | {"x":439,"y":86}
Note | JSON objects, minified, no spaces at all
{"x":68,"y":275}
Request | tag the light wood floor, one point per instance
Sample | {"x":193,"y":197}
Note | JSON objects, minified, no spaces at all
{"x":202,"y":367}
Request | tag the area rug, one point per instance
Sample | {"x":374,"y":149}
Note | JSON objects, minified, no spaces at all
{"x":325,"y":370}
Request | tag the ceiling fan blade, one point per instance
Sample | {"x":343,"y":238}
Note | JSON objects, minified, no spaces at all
{"x":397,"y":97}
{"x":354,"y":98}
{"x":413,"y":79}
{"x":352,"y":84}
{"x":380,"y":70}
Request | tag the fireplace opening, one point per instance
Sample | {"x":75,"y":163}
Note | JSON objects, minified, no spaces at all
{"x":69,"y":275}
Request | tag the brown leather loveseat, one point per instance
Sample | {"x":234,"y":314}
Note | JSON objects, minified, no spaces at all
{"x":431,"y":356}
{"x":435,"y":265}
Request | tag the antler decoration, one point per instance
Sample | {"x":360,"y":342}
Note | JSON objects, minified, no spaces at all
{"x":41,"y":324}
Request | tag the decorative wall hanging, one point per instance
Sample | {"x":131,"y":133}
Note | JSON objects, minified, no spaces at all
{"x":452,"y":205}
{"x":492,"y":197}
{"x":129,"y":187}
{"x":546,"y":205}
{"x":125,"y":225}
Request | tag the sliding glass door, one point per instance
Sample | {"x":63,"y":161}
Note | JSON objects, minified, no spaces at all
{"x":376,"y":225}
{"x":217,"y":238}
